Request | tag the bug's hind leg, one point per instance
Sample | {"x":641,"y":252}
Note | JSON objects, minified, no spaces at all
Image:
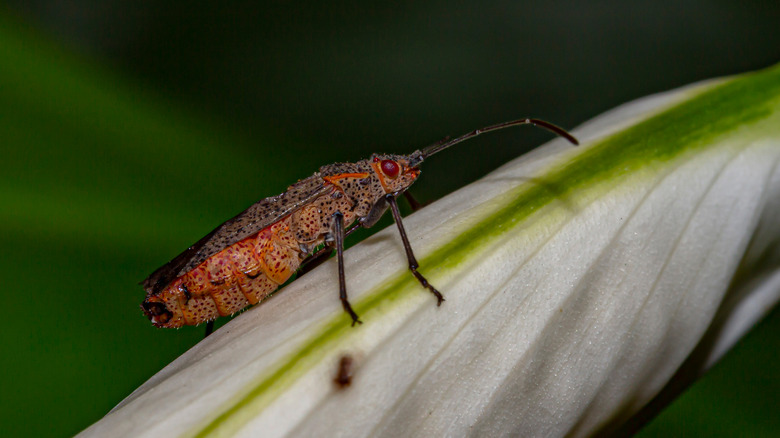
{"x":314,"y":260}
{"x":209,"y":329}
{"x":320,"y":256}
{"x":339,"y":235}
{"x":413,"y":265}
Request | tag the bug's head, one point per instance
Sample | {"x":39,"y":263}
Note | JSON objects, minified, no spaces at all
{"x":157,"y":311}
{"x":394,"y":171}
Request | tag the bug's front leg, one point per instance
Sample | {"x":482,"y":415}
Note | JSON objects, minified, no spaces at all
{"x":413,"y":265}
{"x":338,"y":230}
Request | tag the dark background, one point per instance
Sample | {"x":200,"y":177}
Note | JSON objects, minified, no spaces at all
{"x":131,"y":129}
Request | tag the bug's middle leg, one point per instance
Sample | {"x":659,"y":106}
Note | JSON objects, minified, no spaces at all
{"x":338,"y":221}
{"x":413,"y":265}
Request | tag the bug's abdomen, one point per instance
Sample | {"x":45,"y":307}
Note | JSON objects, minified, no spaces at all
{"x":241,"y":274}
{"x":249,"y":270}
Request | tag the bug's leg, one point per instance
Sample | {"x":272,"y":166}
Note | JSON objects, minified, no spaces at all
{"x":338,"y":220}
{"x":209,"y":328}
{"x":415,"y":204}
{"x":314,"y":260}
{"x":320,"y":256}
{"x":413,"y":265}
{"x":352,"y":230}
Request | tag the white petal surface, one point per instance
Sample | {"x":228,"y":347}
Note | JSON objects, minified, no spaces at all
{"x":573,"y":297}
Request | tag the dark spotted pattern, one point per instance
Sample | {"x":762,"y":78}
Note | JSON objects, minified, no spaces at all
{"x":252,"y":220}
{"x":245,"y":259}
{"x":248,"y":257}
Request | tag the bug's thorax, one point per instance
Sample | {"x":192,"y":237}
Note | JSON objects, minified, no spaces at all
{"x":367,"y":182}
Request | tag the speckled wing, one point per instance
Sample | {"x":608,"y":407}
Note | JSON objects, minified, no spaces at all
{"x":260,"y":215}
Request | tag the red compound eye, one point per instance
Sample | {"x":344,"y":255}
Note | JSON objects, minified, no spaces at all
{"x":390,"y":168}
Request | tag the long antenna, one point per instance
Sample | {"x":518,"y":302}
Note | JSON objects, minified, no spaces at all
{"x":430,"y":150}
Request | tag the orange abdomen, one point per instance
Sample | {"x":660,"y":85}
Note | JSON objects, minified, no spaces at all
{"x":241,"y":274}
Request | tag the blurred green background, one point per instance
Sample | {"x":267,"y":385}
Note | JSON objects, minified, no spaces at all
{"x":131,"y":129}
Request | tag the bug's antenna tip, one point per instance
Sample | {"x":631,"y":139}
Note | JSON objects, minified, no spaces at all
{"x":444,"y":144}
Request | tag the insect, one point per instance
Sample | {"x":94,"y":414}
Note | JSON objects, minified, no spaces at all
{"x":248,"y":257}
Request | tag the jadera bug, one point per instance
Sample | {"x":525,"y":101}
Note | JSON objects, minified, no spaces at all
{"x":248,"y":257}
